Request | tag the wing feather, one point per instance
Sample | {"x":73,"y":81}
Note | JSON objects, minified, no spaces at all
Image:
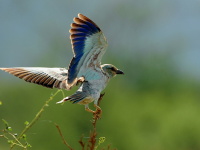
{"x":88,"y":44}
{"x":48,"y":77}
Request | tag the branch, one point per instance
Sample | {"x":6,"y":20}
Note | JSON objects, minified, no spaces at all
{"x":63,"y":139}
{"x":38,"y":115}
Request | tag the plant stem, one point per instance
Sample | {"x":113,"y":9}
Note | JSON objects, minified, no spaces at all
{"x":35,"y":118}
{"x":63,"y":139}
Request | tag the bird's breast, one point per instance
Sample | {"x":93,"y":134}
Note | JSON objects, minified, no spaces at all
{"x":93,"y":88}
{"x":99,"y":83}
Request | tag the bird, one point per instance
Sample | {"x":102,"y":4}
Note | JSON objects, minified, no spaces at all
{"x":85,"y":69}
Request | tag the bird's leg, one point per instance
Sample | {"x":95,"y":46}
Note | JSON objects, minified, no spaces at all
{"x":89,"y":110}
{"x":98,"y":112}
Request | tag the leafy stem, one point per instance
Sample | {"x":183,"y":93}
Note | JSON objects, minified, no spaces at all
{"x":35,"y":119}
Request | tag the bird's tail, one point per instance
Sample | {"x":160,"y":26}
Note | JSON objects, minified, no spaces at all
{"x":75,"y":98}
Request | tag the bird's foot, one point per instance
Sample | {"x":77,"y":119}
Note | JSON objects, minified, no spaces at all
{"x":97,"y":113}
{"x":80,"y":81}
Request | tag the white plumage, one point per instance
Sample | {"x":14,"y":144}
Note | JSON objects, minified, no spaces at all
{"x":89,"y":45}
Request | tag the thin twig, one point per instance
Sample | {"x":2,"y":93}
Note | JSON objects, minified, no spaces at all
{"x":92,"y":139}
{"x":17,"y":141}
{"x":34,"y":119}
{"x":95,"y":117}
{"x":63,"y":93}
{"x":63,"y":139}
{"x":82,"y":143}
{"x":93,"y":134}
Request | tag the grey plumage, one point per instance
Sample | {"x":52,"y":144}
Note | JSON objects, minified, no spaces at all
{"x":89,"y":45}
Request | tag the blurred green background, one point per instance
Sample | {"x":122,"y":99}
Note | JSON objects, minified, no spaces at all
{"x":154,"y":106}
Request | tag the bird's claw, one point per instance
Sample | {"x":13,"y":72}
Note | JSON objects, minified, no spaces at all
{"x":97,"y":114}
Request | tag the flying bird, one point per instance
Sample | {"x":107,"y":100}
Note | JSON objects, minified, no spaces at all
{"x":85,"y":70}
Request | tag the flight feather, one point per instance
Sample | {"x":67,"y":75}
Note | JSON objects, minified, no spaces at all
{"x":88,"y":44}
{"x":48,"y":77}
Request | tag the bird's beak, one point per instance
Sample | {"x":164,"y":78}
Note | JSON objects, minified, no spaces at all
{"x":119,"y":72}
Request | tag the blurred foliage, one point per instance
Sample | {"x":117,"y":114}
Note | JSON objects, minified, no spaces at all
{"x":150,"y":107}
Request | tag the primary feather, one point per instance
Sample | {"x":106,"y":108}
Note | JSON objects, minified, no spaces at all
{"x":88,"y":44}
{"x":48,"y":77}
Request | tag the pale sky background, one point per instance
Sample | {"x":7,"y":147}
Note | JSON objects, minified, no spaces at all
{"x":35,"y":33}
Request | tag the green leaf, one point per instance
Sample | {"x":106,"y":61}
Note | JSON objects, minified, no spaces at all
{"x":7,"y":125}
{"x":9,"y":128}
{"x":24,"y":136}
{"x":5,"y":122}
{"x":29,"y":145}
{"x":10,"y":142}
{"x":26,"y":123}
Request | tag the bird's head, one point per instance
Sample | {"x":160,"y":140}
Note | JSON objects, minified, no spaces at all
{"x":111,"y":70}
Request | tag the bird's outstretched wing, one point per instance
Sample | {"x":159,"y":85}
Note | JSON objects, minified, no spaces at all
{"x":88,"y":44}
{"x":48,"y":77}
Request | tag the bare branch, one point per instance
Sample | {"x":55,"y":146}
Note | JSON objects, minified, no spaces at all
{"x":63,"y":139}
